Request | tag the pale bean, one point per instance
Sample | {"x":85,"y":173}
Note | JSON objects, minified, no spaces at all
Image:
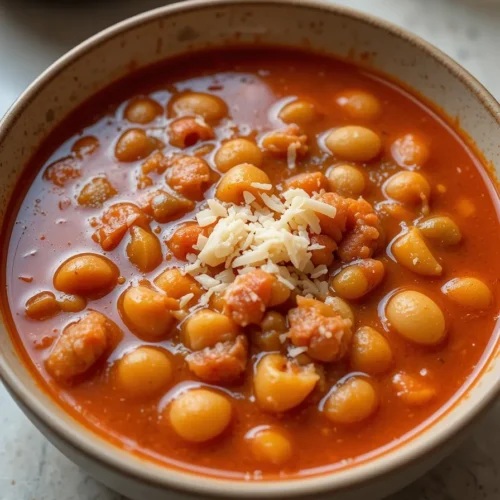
{"x":271,"y":446}
{"x":356,"y":280}
{"x":408,"y":187}
{"x":143,"y":110}
{"x":300,"y":111}
{"x":354,"y":143}
{"x":205,"y":328}
{"x":346,"y":180}
{"x":468,"y":292}
{"x":359,"y":104}
{"x":411,"y":251}
{"x":281,"y":385}
{"x":176,"y":285}
{"x":42,"y":306}
{"x":87,"y":275}
{"x":240,"y":179}
{"x":210,"y":107}
{"x":72,"y":303}
{"x":147,"y":312}
{"x":144,"y":249}
{"x":134,"y":145}
{"x":352,"y":401}
{"x":370,"y":351}
{"x":236,"y":152}
{"x":416,"y":317}
{"x":341,"y":307}
{"x":144,"y":372}
{"x":200,"y":415}
{"x":280,"y":293}
{"x":441,"y":229}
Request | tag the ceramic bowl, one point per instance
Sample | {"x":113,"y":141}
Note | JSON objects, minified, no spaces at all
{"x":178,"y":29}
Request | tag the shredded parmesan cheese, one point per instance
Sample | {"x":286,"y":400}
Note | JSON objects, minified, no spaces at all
{"x":296,"y":351}
{"x":260,"y":185}
{"x":274,"y":237}
{"x":183,"y":301}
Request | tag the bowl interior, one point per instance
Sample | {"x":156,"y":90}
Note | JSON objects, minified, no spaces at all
{"x":178,"y":29}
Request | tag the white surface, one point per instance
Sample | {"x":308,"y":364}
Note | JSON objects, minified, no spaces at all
{"x":33,"y":34}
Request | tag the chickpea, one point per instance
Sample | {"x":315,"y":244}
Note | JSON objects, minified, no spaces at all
{"x":143,"y":110}
{"x":356,"y":280}
{"x":354,"y":143}
{"x":217,"y":302}
{"x":408,"y":187}
{"x":144,"y":249}
{"x":42,"y":306}
{"x":176,"y":285}
{"x":416,"y":317}
{"x":96,"y":192}
{"x":182,"y":241}
{"x":273,"y":321}
{"x":323,"y":255}
{"x":205,"y":328}
{"x":370,"y":351}
{"x":72,"y":303}
{"x":301,"y":111}
{"x":146,"y":312}
{"x":187,"y":131}
{"x":211,"y":108}
{"x":144,"y":372}
{"x":412,"y":391}
{"x":468,"y":292}
{"x":340,"y":307}
{"x":359,"y":104}
{"x":410,"y":150}
{"x":85,"y":146}
{"x":323,"y":308}
{"x":351,"y":402}
{"x":411,"y":251}
{"x":272,"y":326}
{"x":235,"y":152}
{"x":271,"y":446}
{"x":280,"y":293}
{"x":346,"y":180}
{"x":200,"y":415}
{"x":189,"y":176}
{"x":238,"y":180}
{"x":441,"y":229}
{"x":280,"y":385}
{"x":310,"y":182}
{"x":86,"y":274}
{"x":134,"y":145}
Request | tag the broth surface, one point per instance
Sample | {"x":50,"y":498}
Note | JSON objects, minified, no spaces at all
{"x":50,"y":227}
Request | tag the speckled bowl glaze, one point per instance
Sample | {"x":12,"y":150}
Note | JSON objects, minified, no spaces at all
{"x":180,"y":28}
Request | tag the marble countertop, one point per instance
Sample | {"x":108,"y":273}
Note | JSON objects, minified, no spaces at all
{"x":34,"y":33}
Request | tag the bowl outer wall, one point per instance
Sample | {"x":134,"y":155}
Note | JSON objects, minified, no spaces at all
{"x":176,"y":29}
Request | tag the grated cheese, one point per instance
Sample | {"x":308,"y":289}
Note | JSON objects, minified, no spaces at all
{"x":274,"y":237}
{"x":260,"y":185}
{"x":296,"y":351}
{"x":183,"y":301}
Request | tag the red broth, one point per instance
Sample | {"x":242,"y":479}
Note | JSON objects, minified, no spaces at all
{"x":49,"y":226}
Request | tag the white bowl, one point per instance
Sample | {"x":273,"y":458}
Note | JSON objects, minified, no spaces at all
{"x":178,"y":29}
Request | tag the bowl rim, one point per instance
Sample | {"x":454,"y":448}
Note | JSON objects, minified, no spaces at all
{"x":169,"y":477}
